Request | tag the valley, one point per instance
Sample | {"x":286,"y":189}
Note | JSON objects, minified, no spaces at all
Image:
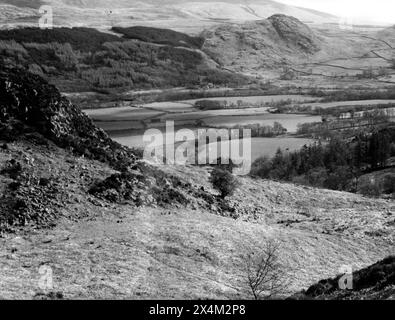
{"x":78,"y":196}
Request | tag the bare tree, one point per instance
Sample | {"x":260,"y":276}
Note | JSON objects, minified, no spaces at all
{"x":266,"y":275}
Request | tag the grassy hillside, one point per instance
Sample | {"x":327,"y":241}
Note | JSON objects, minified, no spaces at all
{"x":142,"y":231}
{"x":110,"y":250}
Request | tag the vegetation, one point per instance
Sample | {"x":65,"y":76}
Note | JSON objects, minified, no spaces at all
{"x":160,"y":36}
{"x":348,"y":127}
{"x":83,"y":39}
{"x":258,"y":130}
{"x":376,"y":184}
{"x":335,"y":111}
{"x":223,"y":181}
{"x":266,"y":276}
{"x":353,"y":94}
{"x":374,"y":282}
{"x":336,"y":165}
{"x":82,"y":59}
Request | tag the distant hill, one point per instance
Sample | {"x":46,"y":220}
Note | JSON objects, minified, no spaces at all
{"x":180,"y":14}
{"x":264,"y":44}
{"x":35,"y":4}
{"x":250,"y":10}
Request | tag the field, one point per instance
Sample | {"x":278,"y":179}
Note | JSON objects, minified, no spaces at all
{"x":288,"y":121}
{"x":266,"y":147}
{"x":184,"y":113}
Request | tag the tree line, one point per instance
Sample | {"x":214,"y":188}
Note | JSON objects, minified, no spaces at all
{"x":335,"y":165}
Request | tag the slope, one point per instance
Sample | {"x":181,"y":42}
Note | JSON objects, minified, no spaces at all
{"x":111,"y":234}
{"x":182,"y":15}
{"x":266,"y":44}
{"x":375,"y":282}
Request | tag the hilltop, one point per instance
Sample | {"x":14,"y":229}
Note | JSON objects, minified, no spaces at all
{"x":285,"y":49}
{"x":267,"y":44}
{"x":121,"y":227}
{"x":185,"y":16}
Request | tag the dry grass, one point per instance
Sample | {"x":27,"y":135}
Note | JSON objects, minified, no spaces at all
{"x":100,"y":250}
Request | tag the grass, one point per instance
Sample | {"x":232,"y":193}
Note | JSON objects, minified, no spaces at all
{"x":103,"y":250}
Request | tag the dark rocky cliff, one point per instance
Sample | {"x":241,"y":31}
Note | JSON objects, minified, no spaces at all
{"x":29,"y":104}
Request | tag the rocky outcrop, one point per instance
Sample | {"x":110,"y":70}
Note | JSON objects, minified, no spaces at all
{"x":265,"y":44}
{"x":294,"y":33}
{"x":34,"y":114}
{"x":29,"y":104}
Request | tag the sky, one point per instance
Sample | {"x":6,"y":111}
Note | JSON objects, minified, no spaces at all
{"x":381,"y":11}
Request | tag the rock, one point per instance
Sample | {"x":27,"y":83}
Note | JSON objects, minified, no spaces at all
{"x":28,"y":101}
{"x":265,"y":44}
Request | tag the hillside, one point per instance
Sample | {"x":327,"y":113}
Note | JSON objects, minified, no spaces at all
{"x":266,"y":44}
{"x":182,"y":15}
{"x":122,"y":228}
{"x":237,"y":10}
{"x":284,"y":49}
{"x":388,"y":34}
{"x":160,"y":36}
{"x":84,"y":59}
{"x":375,"y":282}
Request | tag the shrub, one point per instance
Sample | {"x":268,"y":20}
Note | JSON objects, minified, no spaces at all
{"x":223,"y":181}
{"x":370,"y":189}
{"x":266,"y":276}
{"x":389,"y":183}
{"x":13,"y":169}
{"x":339,"y":179}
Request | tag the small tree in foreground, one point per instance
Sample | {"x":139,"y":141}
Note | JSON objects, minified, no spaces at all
{"x":223,"y":181}
{"x":266,"y":276}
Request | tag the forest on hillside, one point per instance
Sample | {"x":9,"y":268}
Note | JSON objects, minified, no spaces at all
{"x":160,"y":36}
{"x":83,"y":59}
{"x":337,"y":164}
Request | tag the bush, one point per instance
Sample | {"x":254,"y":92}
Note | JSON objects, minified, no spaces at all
{"x":13,"y":169}
{"x":370,"y":189}
{"x":339,"y":179}
{"x":224,"y":182}
{"x":389,"y":183}
{"x":266,"y":276}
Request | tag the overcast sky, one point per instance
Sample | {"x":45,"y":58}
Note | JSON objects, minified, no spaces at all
{"x":362,"y":10}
